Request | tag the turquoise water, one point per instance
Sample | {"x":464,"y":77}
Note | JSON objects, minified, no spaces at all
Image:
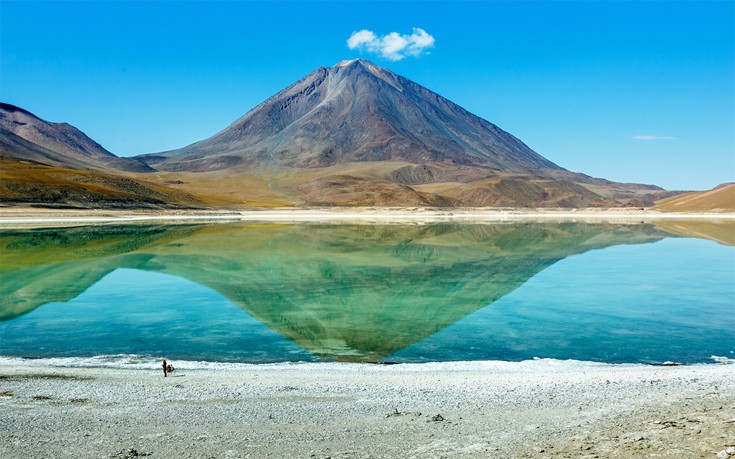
{"x":673,"y":300}
{"x":274,"y":293}
{"x":146,"y":313}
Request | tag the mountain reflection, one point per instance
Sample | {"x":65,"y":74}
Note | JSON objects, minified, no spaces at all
{"x":343,"y":292}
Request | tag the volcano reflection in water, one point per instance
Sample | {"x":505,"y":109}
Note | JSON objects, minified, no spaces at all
{"x":340,"y":292}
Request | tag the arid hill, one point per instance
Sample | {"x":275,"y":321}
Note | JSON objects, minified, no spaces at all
{"x":57,"y":164}
{"x":26,"y":182}
{"x":718,"y":199}
{"x":25,"y":136}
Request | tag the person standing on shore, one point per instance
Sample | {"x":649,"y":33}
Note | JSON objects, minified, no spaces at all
{"x":165,"y":368}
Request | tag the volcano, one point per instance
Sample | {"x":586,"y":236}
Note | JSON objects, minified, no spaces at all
{"x":359,"y":134}
{"x":354,"y":134}
{"x":353,"y":112}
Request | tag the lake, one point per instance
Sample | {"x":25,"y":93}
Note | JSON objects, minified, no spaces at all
{"x":257,"y":293}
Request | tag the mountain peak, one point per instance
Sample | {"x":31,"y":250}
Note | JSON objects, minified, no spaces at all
{"x":356,"y":111}
{"x":347,"y":63}
{"x":362,"y":65}
{"x":355,"y":68}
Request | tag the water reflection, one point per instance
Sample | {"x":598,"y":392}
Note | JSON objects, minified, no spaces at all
{"x":354,"y":293}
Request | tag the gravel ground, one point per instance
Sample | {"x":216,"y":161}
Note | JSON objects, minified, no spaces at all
{"x":482,"y":409}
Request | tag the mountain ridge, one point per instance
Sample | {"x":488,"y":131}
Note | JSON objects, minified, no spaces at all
{"x":56,"y":164}
{"x":354,"y":134}
{"x":56,"y":144}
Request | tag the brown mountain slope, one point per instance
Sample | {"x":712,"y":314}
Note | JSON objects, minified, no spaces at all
{"x":358,"y":134}
{"x":393,"y":183}
{"x":718,"y":199}
{"x":23,"y":182}
{"x":352,"y":112}
{"x":25,"y":136}
{"x":57,"y":164}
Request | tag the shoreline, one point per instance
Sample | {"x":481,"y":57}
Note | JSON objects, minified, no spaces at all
{"x":134,"y":362}
{"x":499,"y":409}
{"x":11,"y":216}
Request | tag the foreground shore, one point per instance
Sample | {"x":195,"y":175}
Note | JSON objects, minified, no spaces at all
{"x":481,"y":409}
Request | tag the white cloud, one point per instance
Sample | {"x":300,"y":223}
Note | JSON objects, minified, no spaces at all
{"x":360,"y":38}
{"x":652,"y":137}
{"x":392,"y":46}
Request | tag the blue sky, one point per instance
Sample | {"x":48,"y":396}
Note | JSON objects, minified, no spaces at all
{"x":582,"y":83}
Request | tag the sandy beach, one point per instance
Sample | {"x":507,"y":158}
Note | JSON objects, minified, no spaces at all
{"x":541,"y":408}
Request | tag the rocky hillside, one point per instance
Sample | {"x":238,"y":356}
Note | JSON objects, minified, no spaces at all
{"x":25,"y":136}
{"x":56,"y":164}
{"x":354,"y":112}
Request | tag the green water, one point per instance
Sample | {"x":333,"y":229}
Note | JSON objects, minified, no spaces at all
{"x":269,"y":293}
